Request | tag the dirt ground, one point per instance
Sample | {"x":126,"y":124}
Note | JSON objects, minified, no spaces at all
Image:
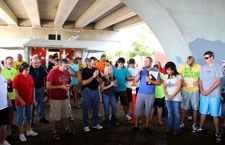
{"x":119,"y":135}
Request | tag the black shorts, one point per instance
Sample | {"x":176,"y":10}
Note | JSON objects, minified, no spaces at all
{"x":129,"y":94}
{"x":159,"y":102}
{"x":4,"y":115}
{"x":123,"y":97}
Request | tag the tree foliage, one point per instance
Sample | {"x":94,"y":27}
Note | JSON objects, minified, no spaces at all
{"x":139,"y":49}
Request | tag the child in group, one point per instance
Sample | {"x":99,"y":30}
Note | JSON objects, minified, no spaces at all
{"x":109,"y":99}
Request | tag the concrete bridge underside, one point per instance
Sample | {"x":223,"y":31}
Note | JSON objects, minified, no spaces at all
{"x":182,"y":27}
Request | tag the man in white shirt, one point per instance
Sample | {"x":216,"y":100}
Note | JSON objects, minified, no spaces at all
{"x":4,"y":112}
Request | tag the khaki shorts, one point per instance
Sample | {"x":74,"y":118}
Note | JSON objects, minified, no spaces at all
{"x":59,"y":109}
{"x":190,"y":100}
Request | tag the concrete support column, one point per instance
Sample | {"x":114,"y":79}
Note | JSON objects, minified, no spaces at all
{"x":164,"y":27}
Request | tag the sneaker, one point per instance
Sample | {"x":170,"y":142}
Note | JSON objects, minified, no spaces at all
{"x":218,"y":137}
{"x":6,"y":143}
{"x":22,"y":138}
{"x":31,"y":133}
{"x":76,"y":106}
{"x":194,"y":127}
{"x":97,"y":126}
{"x":87,"y":129}
{"x":190,"y":118}
{"x":182,"y":125}
{"x":128,"y":117}
{"x":198,"y":131}
{"x":44,"y":120}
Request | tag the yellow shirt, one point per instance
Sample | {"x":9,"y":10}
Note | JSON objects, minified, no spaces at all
{"x":17,"y":65}
{"x":190,"y":77}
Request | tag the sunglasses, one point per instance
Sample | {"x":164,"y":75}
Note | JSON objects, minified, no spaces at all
{"x":207,"y":57}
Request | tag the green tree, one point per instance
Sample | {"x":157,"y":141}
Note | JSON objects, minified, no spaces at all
{"x":140,"y":49}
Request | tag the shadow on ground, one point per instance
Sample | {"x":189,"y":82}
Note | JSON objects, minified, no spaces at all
{"x":119,"y":135}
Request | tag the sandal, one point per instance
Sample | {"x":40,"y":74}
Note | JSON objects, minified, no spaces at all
{"x":56,"y":137}
{"x":69,"y":132}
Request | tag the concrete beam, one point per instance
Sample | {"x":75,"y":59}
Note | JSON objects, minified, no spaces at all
{"x":31,"y":7}
{"x":12,"y":32}
{"x":97,"y":9}
{"x":64,"y":9}
{"x":117,"y":16}
{"x":136,"y":20}
{"x":6,"y":14}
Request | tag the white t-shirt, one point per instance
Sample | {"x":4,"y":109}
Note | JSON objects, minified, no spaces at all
{"x":3,"y":93}
{"x":133,"y":72}
{"x":172,"y":86}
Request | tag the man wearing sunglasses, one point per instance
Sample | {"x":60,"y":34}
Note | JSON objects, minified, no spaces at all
{"x":210,"y":97}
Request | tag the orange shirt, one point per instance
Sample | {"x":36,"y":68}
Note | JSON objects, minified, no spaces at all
{"x":101,"y":66}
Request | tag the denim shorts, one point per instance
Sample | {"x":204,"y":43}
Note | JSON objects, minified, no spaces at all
{"x":212,"y":106}
{"x":24,"y":115}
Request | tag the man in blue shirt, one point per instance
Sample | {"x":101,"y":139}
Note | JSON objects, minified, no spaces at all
{"x":146,"y":93}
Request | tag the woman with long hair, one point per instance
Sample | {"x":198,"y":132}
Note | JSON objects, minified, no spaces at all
{"x":172,"y":90}
{"x":108,"y":96}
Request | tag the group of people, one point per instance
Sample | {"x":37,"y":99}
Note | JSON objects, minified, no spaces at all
{"x":189,"y":87}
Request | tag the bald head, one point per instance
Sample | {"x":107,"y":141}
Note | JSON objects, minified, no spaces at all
{"x":158,"y":63}
{"x":9,"y":62}
{"x":35,"y":62}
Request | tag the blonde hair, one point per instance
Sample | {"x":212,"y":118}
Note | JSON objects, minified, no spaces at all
{"x":106,"y":71}
{"x":190,"y":61}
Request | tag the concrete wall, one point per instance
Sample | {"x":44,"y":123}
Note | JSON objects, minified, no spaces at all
{"x":200,"y":46}
{"x":202,"y":24}
{"x":185,"y":27}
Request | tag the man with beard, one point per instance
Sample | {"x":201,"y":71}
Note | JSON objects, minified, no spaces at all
{"x":9,"y":73}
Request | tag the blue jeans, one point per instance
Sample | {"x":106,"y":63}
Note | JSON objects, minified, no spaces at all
{"x":174,"y":118}
{"x":22,"y":113}
{"x":90,"y":97}
{"x":107,"y":101}
{"x":39,"y":97}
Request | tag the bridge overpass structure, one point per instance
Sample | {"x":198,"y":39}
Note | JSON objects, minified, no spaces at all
{"x":183,"y":27}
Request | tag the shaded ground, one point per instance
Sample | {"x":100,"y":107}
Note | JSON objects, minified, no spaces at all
{"x":119,"y":135}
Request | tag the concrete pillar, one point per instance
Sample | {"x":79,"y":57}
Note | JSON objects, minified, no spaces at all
{"x":164,"y":27}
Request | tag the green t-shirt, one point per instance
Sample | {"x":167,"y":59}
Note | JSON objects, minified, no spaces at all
{"x":159,"y":92}
{"x":9,"y":74}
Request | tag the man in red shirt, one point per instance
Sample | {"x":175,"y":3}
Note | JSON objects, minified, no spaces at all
{"x":58,"y":84}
